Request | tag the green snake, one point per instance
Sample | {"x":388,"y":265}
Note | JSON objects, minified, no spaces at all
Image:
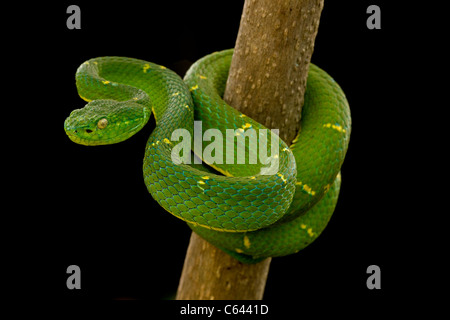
{"x":242,"y":207}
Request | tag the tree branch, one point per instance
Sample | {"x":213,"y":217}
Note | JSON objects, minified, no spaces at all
{"x":267,"y":79}
{"x":267,"y":82}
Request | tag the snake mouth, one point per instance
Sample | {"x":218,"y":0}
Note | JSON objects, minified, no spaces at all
{"x":75,"y":138}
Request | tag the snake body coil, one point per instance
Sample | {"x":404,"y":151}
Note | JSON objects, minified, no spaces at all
{"x":246,"y":211}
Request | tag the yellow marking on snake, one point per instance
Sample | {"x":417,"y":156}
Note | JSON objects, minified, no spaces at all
{"x":167,"y":141}
{"x":282,"y":177}
{"x":202,"y":77}
{"x":306,"y":188}
{"x":310,"y":232}
{"x":154,"y":113}
{"x":162,"y":67}
{"x":224,"y":172}
{"x":135,"y":98}
{"x":146,"y":67}
{"x":246,"y":126}
{"x":309,"y":190}
{"x":239,"y":131}
{"x":247,"y":242}
{"x":205,"y":177}
{"x":336,"y":127}
{"x":201,"y":182}
{"x":303,"y":226}
{"x":238,"y":250}
{"x":85,"y":99}
{"x":194,"y":88}
{"x":105,"y":82}
{"x":175,"y":94}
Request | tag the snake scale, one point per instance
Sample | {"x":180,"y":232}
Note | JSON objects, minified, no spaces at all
{"x":239,"y":207}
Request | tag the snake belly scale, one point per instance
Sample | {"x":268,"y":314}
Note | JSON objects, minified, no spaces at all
{"x":240,"y":208}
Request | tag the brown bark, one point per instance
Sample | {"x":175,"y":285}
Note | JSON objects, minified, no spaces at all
{"x":270,"y":65}
{"x":211,"y":274}
{"x":267,"y":82}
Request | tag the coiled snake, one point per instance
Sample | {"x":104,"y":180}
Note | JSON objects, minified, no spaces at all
{"x":242,"y":208}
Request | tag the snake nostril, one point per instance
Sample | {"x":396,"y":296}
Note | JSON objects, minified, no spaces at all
{"x":88,"y":131}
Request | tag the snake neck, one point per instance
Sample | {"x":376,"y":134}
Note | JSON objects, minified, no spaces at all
{"x":136,"y":89}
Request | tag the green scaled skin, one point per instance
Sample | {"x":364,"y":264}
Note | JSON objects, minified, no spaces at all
{"x":246,"y":213}
{"x":284,"y":238}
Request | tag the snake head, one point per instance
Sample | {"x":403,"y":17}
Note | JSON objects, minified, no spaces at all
{"x":103,"y":122}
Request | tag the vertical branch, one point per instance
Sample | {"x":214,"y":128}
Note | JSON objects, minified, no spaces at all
{"x":267,"y":81}
{"x":211,"y":274}
{"x":268,"y":73}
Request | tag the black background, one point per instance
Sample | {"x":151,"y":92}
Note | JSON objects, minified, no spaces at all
{"x":90,"y":207}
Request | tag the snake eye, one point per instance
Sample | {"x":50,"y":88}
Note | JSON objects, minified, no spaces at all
{"x":102,"y":123}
